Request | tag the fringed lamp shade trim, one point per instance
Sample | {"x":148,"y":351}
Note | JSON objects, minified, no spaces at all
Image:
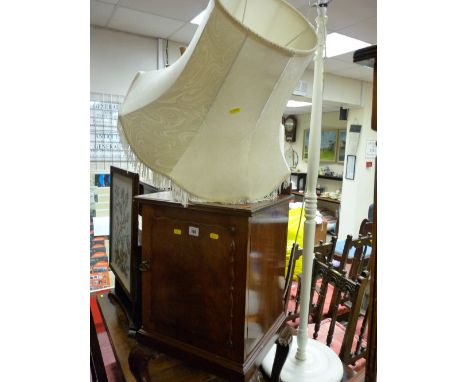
{"x":165,"y":183}
{"x":208,"y":127}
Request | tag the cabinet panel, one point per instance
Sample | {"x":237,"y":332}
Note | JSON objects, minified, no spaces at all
{"x":197,"y":296}
{"x":266,"y":265}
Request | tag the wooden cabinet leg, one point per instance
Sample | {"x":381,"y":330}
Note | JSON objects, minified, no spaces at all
{"x":138,"y":360}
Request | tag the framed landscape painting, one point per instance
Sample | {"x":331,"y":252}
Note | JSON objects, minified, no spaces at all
{"x":328,"y":145}
{"x":332,"y":145}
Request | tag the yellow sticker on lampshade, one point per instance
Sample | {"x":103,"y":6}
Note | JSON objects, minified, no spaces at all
{"x":235,"y":110}
{"x":177,"y":231}
{"x":214,"y":236}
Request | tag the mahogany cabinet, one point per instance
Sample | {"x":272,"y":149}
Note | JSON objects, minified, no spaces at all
{"x":212,"y":277}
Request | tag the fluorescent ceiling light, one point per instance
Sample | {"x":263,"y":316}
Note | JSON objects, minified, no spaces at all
{"x":339,"y":44}
{"x":292,"y":103}
{"x":197,"y":19}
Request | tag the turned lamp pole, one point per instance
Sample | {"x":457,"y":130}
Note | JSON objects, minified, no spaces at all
{"x":309,"y":360}
{"x":310,"y":194}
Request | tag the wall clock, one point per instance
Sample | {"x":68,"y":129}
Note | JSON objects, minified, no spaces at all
{"x":290,"y":125}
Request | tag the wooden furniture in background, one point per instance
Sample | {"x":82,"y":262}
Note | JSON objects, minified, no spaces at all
{"x":323,"y":252}
{"x":368,"y":57}
{"x":212,"y":280}
{"x":349,"y":340}
{"x":320,"y":233}
{"x":319,"y":198}
{"x":353,"y":345}
{"x":366,"y":227}
{"x":357,"y":252}
{"x":328,"y":200}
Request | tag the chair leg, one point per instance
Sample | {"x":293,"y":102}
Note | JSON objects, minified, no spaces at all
{"x":282,"y":351}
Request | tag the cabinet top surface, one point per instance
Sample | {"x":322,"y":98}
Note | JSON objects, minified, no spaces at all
{"x":165,"y":198}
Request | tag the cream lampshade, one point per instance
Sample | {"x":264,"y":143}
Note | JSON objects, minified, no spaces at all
{"x":209,"y":126}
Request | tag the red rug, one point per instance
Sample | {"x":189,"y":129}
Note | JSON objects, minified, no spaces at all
{"x":110,"y":363}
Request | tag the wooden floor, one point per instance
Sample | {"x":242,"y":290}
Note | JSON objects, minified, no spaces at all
{"x":165,"y":368}
{"x":161,"y":368}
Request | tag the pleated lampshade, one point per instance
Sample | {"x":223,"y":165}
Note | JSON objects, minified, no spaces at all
{"x":209,"y":126}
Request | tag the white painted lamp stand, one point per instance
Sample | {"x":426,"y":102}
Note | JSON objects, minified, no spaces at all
{"x":308,"y":359}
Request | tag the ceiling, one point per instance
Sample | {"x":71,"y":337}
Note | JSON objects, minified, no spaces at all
{"x":171,"y":20}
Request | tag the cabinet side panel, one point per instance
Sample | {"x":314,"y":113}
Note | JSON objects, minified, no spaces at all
{"x":265,"y":276}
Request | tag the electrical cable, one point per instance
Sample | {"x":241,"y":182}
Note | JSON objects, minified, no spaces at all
{"x":167,"y":53}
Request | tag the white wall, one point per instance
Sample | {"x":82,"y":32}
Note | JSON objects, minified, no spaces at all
{"x":337,"y":90}
{"x":358,"y":194}
{"x":117,"y":56}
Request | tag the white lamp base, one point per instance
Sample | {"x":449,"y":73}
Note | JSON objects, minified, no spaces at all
{"x":321,"y":364}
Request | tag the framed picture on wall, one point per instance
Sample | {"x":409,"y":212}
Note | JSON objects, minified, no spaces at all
{"x":328,"y":145}
{"x":350,"y":166}
{"x":305,"y":145}
{"x":332,"y":145}
{"x":341,"y":146}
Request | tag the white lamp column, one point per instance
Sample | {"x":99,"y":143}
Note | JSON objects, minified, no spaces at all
{"x":310,"y":195}
{"x":308,"y":359}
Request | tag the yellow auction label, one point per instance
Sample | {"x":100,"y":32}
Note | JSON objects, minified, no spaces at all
{"x":177,"y":231}
{"x":214,"y":236}
{"x":235,"y":110}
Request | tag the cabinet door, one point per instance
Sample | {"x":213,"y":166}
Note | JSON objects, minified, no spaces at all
{"x":189,"y":290}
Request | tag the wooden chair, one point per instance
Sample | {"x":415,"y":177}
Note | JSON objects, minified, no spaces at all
{"x":365,"y":229}
{"x":350,"y":345}
{"x":352,"y":262}
{"x":355,"y":255}
{"x":323,"y":252}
